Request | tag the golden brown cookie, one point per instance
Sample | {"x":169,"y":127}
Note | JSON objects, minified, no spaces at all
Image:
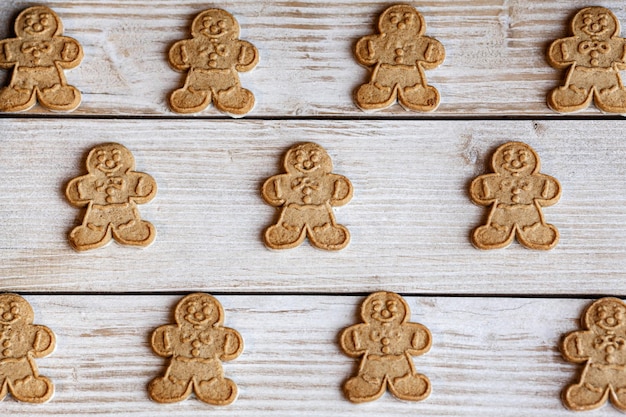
{"x":398,"y":56}
{"x":21,"y":342}
{"x":212,"y":58}
{"x":111,"y":191}
{"x":38,"y":56}
{"x":385,"y":342}
{"x":306,"y":195}
{"x":196,"y":344}
{"x":516,"y":192}
{"x":593,"y":56}
{"x":601,"y":346}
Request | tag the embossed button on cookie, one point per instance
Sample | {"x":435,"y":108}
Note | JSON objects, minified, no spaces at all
{"x":594,"y":56}
{"x":111,"y":191}
{"x":516,"y":192}
{"x":212,"y":59}
{"x":197,"y":344}
{"x":306,"y":195}
{"x":601,"y":346}
{"x":38,"y":56}
{"x":22,"y":342}
{"x":398,"y":56}
{"x":385,"y":343}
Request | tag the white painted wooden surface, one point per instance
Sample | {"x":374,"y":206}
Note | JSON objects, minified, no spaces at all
{"x":410,"y":218}
{"x":490,"y":357}
{"x":495,"y":53}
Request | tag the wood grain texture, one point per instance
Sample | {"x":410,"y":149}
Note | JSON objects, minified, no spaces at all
{"x":490,"y":357}
{"x":410,"y":217}
{"x":495,"y":54}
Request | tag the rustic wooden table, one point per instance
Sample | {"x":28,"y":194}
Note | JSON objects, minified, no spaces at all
{"x":496,"y":316}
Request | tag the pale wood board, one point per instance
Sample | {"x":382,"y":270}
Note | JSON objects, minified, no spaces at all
{"x":490,"y":357}
{"x":495,"y":53}
{"x":410,"y":218}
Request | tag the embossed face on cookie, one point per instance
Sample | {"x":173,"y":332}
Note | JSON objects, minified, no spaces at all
{"x":13,"y":309}
{"x":384,"y":308}
{"x":308,"y":159}
{"x":596,"y":23}
{"x":109,"y":160}
{"x":401,"y":19}
{"x":516,"y":159}
{"x":607,"y":314}
{"x":199,"y":310}
{"x":215,"y":24}
{"x":36,"y":22}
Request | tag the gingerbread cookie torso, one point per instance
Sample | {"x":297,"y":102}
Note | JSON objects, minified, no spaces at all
{"x":212,"y":59}
{"x":594,"y":55}
{"x":196,"y":345}
{"x":516,"y":192}
{"x":21,"y":342}
{"x":306,"y":195}
{"x":601,"y":346}
{"x":111,"y":191}
{"x":38,"y":56}
{"x":398,"y":56}
{"x":385,"y":342}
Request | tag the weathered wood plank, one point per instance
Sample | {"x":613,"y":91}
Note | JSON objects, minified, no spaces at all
{"x":490,"y":356}
{"x":410,"y":217}
{"x":495,"y":53}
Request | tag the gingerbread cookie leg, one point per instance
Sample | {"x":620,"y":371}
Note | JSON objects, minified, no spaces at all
{"x":216,"y":391}
{"x":17,"y":99}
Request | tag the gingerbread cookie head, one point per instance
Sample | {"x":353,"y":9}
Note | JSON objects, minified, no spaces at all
{"x":515,"y":159}
{"x":606,"y":315}
{"x":595,"y":23}
{"x":14,"y":309}
{"x":308,"y":159}
{"x":402,"y":19}
{"x":384,"y":307}
{"x":215,"y":24}
{"x":199,"y":310}
{"x":109,"y":159}
{"x":38,"y":22}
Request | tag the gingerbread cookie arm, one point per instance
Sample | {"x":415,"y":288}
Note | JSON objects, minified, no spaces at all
{"x":74,"y":192}
{"x":433,"y":52}
{"x":233,"y":344}
{"x":145,"y":187}
{"x":7,"y":53}
{"x":420,"y":338}
{"x":178,"y":56}
{"x":161,"y":340}
{"x":271,"y":190}
{"x":44,"y":341}
{"x":248,"y":57}
{"x":342,"y":190}
{"x":562,"y":52}
{"x":550,"y":190}
{"x":71,"y":52}
{"x":482,"y":189}
{"x":576,"y":346}
{"x":365,"y":50}
{"x":350,"y":340}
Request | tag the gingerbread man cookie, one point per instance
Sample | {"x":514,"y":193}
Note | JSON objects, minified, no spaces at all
{"x":306,"y":195}
{"x":38,"y":56}
{"x":594,"y":55}
{"x":385,"y":343}
{"x":111,"y":191}
{"x":516,"y":192}
{"x":212,"y":58}
{"x":602,"y":348}
{"x":196,"y":345}
{"x":21,"y":342}
{"x":398,"y":57}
